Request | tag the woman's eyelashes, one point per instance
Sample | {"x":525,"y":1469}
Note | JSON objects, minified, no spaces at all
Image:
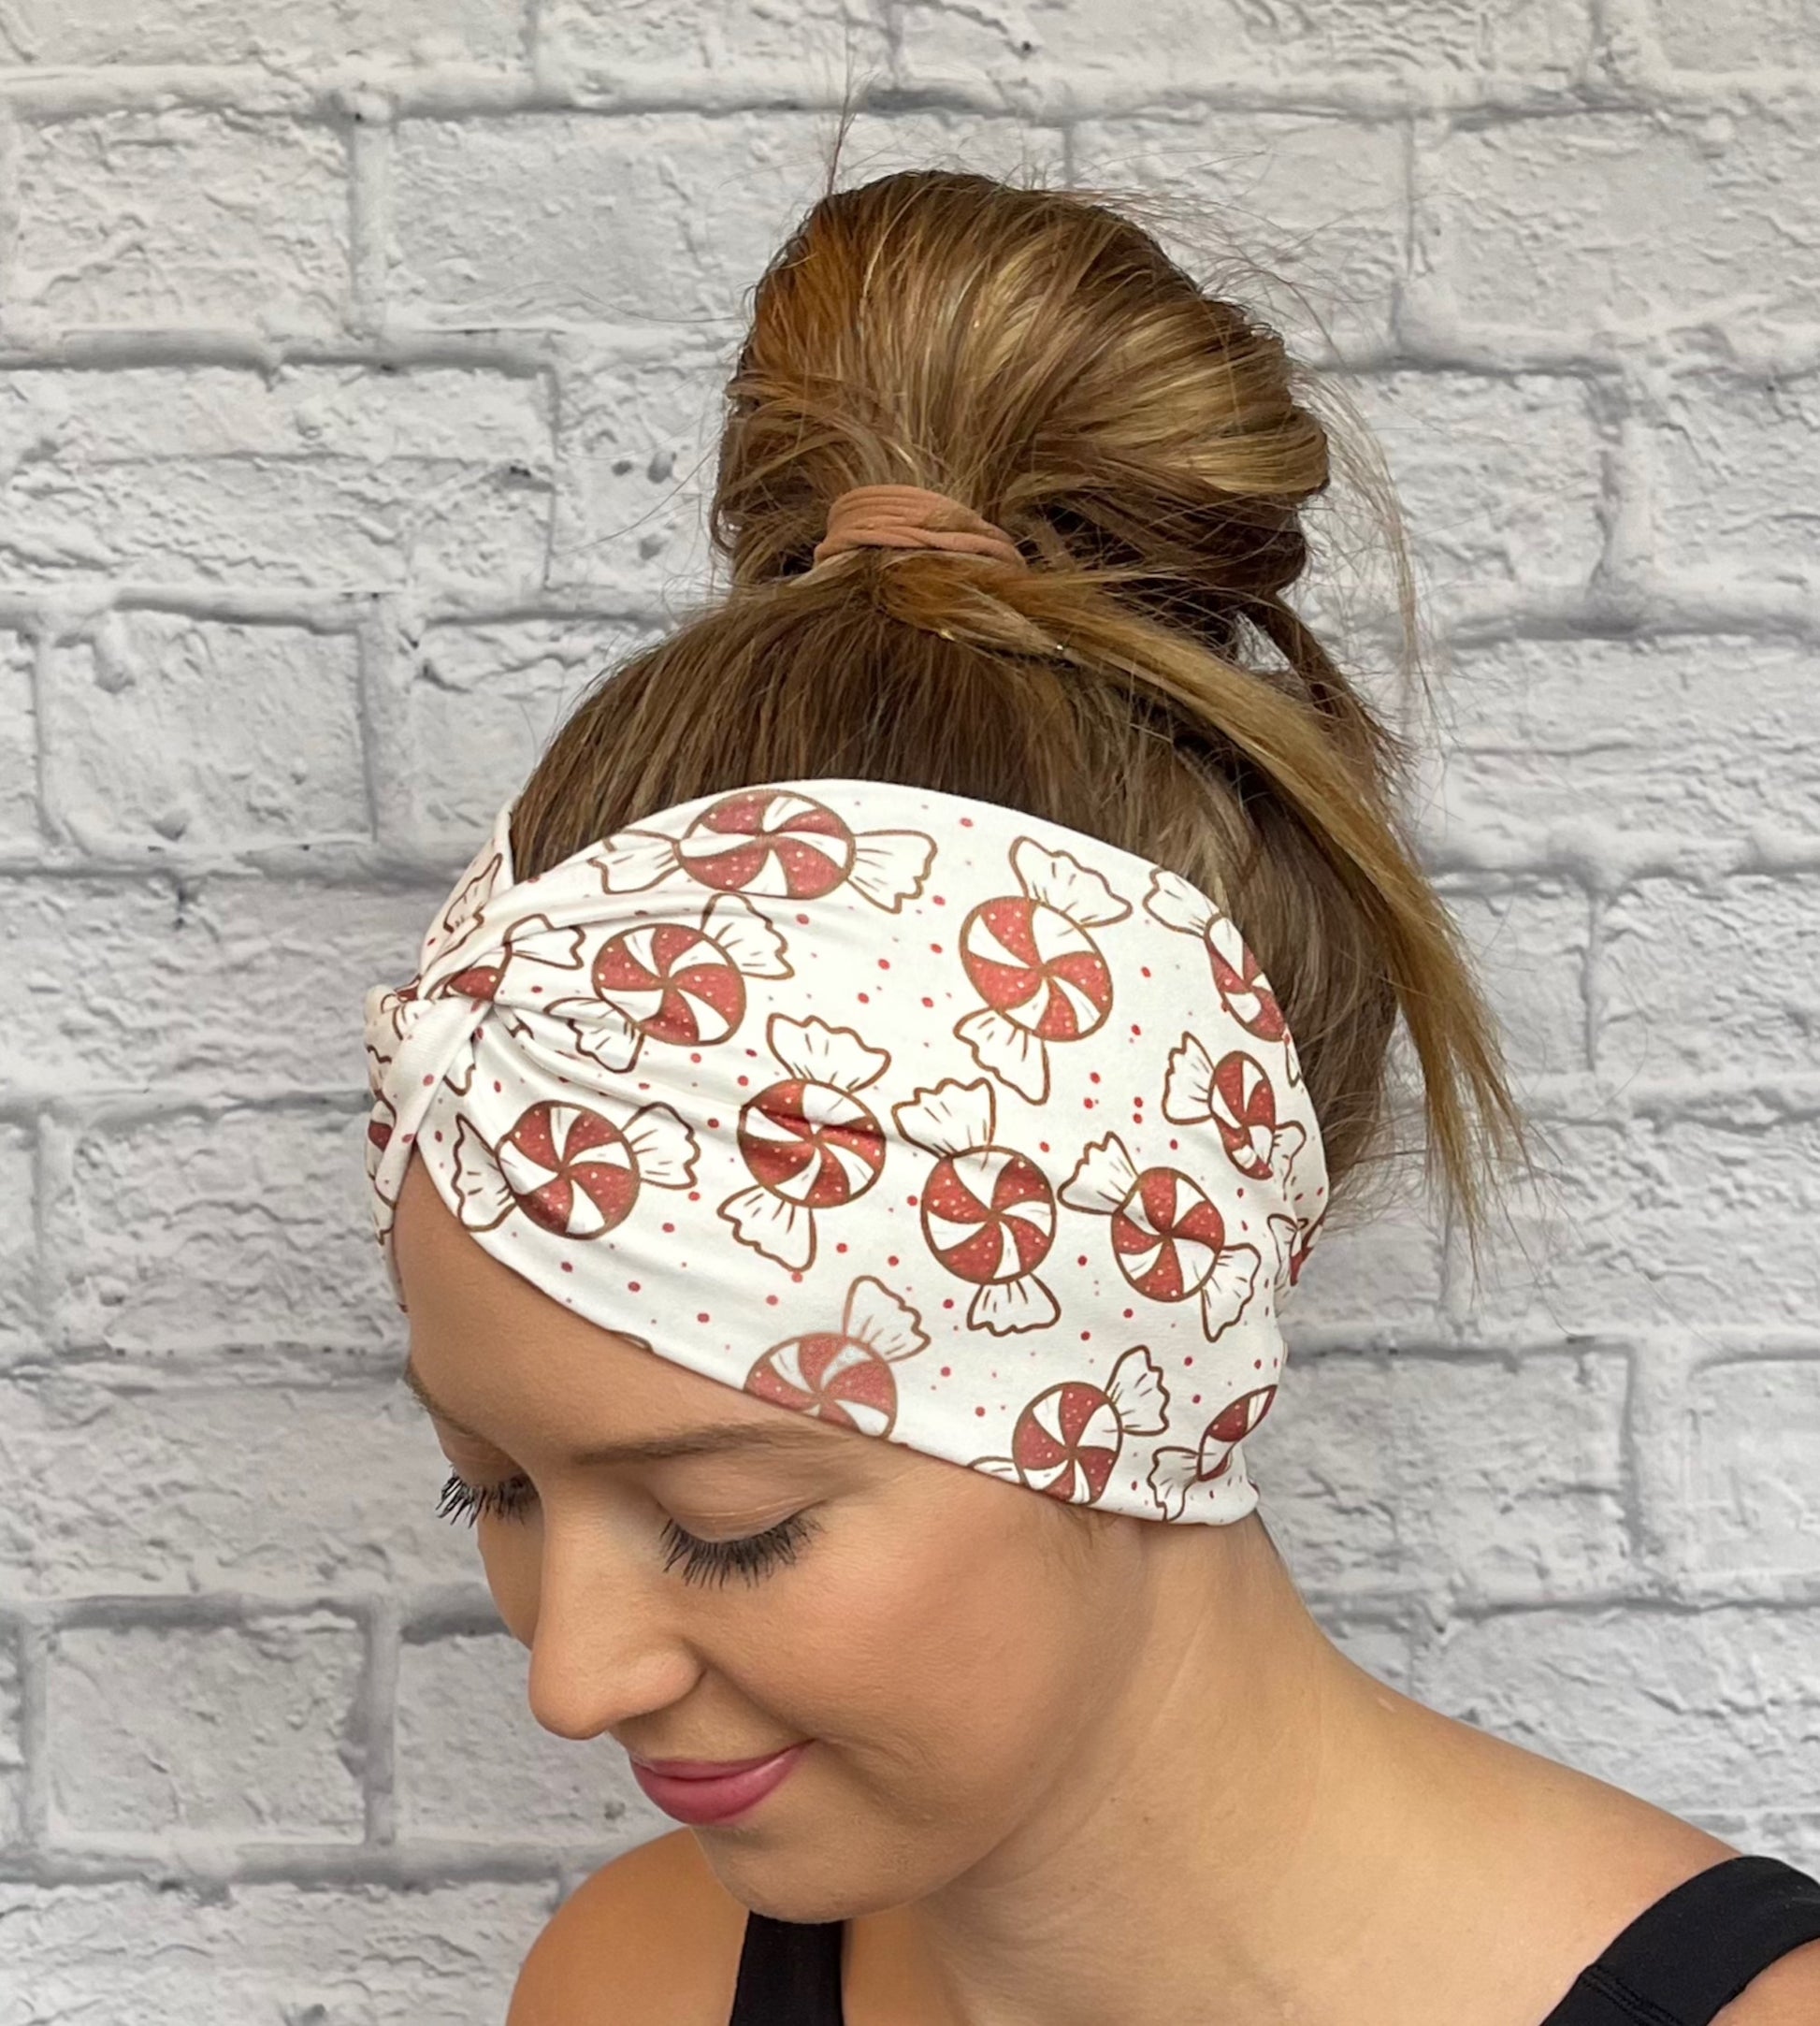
{"x":703,"y":1561}
{"x":753,"y":1558}
{"x":463,"y":1501}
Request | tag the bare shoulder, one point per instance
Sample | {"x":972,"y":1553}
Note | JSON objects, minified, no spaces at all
{"x":1655,"y":1853}
{"x":651,"y":1939}
{"x":1787,"y":1993}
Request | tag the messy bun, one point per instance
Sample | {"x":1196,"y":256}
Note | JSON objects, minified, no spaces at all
{"x":1037,"y":356}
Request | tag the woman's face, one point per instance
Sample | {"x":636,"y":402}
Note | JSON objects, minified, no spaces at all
{"x":945,"y":1639}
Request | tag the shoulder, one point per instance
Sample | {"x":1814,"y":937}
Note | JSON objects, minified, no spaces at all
{"x":651,"y":1937}
{"x":1787,"y":1993}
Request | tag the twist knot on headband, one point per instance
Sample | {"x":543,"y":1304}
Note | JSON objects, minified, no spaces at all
{"x":911,"y":517}
{"x":911,"y":1112}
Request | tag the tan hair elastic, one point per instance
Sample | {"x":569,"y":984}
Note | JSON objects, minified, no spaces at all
{"x":910,"y":517}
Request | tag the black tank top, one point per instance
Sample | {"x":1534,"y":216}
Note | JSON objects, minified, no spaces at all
{"x":1679,"y":1964}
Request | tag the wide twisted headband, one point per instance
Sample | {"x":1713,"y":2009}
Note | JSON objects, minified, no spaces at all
{"x":905,"y":1110}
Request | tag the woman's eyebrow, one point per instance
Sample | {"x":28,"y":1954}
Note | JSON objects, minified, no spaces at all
{"x":794,"y":1436}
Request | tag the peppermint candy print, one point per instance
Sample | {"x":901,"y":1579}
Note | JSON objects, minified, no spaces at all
{"x":1168,"y":1235}
{"x":809,"y":1142}
{"x":1233,"y":1093}
{"x":387,"y":1022}
{"x":383,"y":1179}
{"x":390,"y":1018}
{"x":1294,"y":1235}
{"x":1237,"y":977}
{"x":987,"y":1211}
{"x":1032,"y":957}
{"x":678,"y":981}
{"x":921,"y":1116}
{"x":1068,"y":1439}
{"x":785,"y":846}
{"x":568,"y":1168}
{"x":461,"y":915}
{"x":843,"y":1376}
{"x":1177,"y":1473}
{"x":531,"y":945}
{"x":390,"y":1015}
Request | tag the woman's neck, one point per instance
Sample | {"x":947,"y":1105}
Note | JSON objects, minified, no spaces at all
{"x":1258,"y":1833}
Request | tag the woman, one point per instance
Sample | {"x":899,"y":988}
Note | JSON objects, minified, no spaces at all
{"x":841,"y":1156}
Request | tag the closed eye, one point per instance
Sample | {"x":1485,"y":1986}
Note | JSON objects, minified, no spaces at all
{"x":752,"y":1556}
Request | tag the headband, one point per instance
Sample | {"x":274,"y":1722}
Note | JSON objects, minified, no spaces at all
{"x":908,"y":1111}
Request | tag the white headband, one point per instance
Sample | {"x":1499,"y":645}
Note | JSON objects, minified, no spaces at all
{"x":909,"y":1111}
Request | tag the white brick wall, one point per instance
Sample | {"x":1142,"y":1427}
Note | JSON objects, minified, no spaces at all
{"x":357,"y":362}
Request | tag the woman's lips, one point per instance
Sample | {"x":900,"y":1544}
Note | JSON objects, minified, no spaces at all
{"x":701,"y":1769}
{"x":715,"y":1793}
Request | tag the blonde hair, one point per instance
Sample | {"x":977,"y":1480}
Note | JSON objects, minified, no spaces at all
{"x":1035,"y":353}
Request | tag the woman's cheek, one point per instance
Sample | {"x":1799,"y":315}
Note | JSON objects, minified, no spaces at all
{"x":512,"y":1553}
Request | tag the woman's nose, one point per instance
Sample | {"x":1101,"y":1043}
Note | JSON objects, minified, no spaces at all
{"x":606,"y":1646}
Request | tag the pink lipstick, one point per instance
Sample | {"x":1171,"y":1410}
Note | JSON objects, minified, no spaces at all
{"x":707,"y":1791}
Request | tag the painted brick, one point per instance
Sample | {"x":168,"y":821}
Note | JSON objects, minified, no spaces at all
{"x":1528,"y":941}
{"x":485,"y":700}
{"x":1753,"y":1494}
{"x":634,"y":464}
{"x":1514,"y":214}
{"x":123,"y":1483}
{"x":250,"y":984}
{"x":1722,"y":979}
{"x":1752,"y":35}
{"x":160,"y":727}
{"x":283,"y":34}
{"x":605,"y":51}
{"x":1498,"y":479}
{"x":1520,"y":1469}
{"x":20,"y":1320}
{"x":514,"y":445}
{"x":1705,"y":737}
{"x":561,"y":220}
{"x":230,"y":219}
{"x":471,"y":1762}
{"x":337,"y":478}
{"x":18,"y":788}
{"x":1023,"y":150}
{"x":443,"y":1955}
{"x":1736,"y":465}
{"x":1377,"y":1272}
{"x":1334,"y":194}
{"x":61,"y":933}
{"x":1086,"y":54}
{"x":12,"y":1750}
{"x":1794,"y":1838}
{"x":197,"y":1233}
{"x":1691,"y":1710}
{"x":1667,"y":1225}
{"x":232,"y":1730}
{"x":555,"y":219}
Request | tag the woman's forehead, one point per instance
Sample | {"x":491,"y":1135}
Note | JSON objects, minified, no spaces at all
{"x":499,"y":1355}
{"x":472,"y":1316}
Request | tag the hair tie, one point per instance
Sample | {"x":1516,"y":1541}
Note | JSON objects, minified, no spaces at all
{"x":911,"y":517}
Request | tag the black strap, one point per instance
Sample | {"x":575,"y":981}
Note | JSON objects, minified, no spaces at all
{"x":790,"y":1974}
{"x":1685,"y":1958}
{"x":1679,"y":1964}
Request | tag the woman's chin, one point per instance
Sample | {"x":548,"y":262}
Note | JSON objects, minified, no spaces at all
{"x":810,"y":1883}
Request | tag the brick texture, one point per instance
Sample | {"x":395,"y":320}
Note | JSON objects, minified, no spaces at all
{"x":165,"y":1730}
{"x":359,"y":363}
{"x":227,"y":218}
